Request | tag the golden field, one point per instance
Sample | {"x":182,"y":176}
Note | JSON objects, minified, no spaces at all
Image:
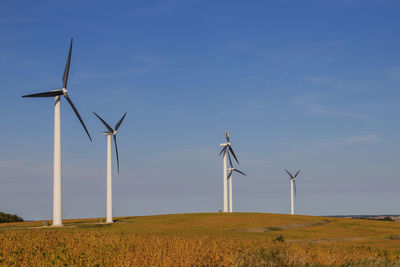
{"x":206,"y":239}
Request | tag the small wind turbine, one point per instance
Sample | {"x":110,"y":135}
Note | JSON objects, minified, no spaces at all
{"x":231,"y":170}
{"x":57,"y":186}
{"x":110,"y":132}
{"x":226,"y":148}
{"x":292,"y":184}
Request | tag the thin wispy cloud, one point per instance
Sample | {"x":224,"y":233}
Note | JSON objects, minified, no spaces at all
{"x":3,"y":56}
{"x":395,"y":72}
{"x":149,"y":60}
{"x":312,"y":103}
{"x":160,"y":7}
{"x":322,"y":111}
{"x":330,"y":143}
{"x":28,"y":63}
{"x":245,"y":47}
{"x":16,"y":19}
{"x":368,"y":138}
{"x":320,"y":79}
{"x":325,"y":52}
{"x":260,"y":162}
{"x":114,"y":74}
{"x":22,"y":168}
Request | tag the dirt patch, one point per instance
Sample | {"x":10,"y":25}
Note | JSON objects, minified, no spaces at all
{"x":285,"y":227}
{"x":305,"y":241}
{"x":67,"y":225}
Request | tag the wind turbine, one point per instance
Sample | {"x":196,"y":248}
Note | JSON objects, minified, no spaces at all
{"x":231,"y":170}
{"x":57,"y":186}
{"x":226,"y":150}
{"x":292,"y":184}
{"x":109,"y":133}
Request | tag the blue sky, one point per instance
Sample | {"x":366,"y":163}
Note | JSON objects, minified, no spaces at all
{"x":310,"y":85}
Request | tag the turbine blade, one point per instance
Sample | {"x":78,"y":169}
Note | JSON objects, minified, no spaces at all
{"x":233,"y":154}
{"x":289,"y":173}
{"x":294,"y":182}
{"x":230,"y":174}
{"x":222,"y":150}
{"x":105,"y":123}
{"x":297,"y":173}
{"x":230,"y":160}
{"x":116,"y":151}
{"x":120,"y":121}
{"x":66,"y":71}
{"x":227,"y":135}
{"x":46,"y":94}
{"x":77,"y":114}
{"x":240,"y":172}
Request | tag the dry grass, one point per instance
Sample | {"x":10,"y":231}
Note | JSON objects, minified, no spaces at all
{"x":204,"y":239}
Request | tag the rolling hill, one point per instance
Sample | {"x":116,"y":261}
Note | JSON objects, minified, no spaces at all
{"x":241,"y":239}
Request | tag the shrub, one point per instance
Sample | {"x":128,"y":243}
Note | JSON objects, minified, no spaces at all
{"x":7,"y":218}
{"x":387,"y":218}
{"x":279,"y":238}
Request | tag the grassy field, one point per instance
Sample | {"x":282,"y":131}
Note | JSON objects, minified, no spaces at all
{"x":216,"y":239}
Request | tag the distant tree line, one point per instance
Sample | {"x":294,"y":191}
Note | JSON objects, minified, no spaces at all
{"x":7,"y":218}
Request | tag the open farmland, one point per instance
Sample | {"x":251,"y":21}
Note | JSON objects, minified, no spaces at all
{"x":239,"y":239}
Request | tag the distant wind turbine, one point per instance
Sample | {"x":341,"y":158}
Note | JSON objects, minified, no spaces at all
{"x":292,"y":184}
{"x":57,"y":185}
{"x":231,"y":170}
{"x":110,"y":132}
{"x":226,"y":150}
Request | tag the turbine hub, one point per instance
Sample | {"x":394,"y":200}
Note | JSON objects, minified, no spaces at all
{"x":64,"y":91}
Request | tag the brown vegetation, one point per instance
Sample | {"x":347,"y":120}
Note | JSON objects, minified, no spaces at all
{"x":204,"y":239}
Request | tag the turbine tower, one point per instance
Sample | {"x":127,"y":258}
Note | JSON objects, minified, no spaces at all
{"x":109,"y":133}
{"x":292,"y":184}
{"x":57,"y":185}
{"x":231,"y":170}
{"x":226,"y":150}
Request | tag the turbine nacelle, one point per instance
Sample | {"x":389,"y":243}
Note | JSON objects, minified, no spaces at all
{"x":225,"y":144}
{"x":293,"y":178}
{"x":227,"y":149}
{"x":112,"y":132}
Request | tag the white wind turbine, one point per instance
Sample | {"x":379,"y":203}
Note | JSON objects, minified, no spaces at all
{"x":57,"y":185}
{"x":231,"y":170}
{"x":226,"y":150}
{"x":292,"y":184}
{"x":109,"y":133}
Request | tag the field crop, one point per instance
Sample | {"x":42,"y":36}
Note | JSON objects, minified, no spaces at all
{"x":238,"y":239}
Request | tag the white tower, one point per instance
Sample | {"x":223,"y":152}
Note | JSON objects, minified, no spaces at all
{"x":111,"y":132}
{"x":57,"y":181}
{"x":57,"y":168}
{"x":224,"y":181}
{"x":109,"y":218}
{"x":291,"y":197}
